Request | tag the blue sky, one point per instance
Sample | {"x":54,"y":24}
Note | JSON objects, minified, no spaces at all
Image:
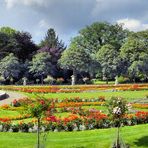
{"x":67,"y":17}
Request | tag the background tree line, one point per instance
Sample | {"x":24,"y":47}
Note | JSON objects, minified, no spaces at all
{"x":101,"y":50}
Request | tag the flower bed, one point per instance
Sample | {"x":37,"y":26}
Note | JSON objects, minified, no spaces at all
{"x":77,"y":88}
{"x":94,"y":120}
{"x":79,"y":119}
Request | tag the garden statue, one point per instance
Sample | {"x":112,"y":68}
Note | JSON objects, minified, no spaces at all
{"x":116,"y":80}
{"x":72,"y":80}
{"x":24,"y":81}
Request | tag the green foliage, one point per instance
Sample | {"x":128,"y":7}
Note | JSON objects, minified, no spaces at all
{"x":52,"y":41}
{"x":18,"y":43}
{"x":10,"y":67}
{"x":49,"y":80}
{"x":40,"y":64}
{"x":109,"y":60}
{"x":75,"y":58}
{"x":135,"y":55}
{"x":8,"y":31}
{"x":38,"y":108}
{"x":93,"y":37}
{"x":117,"y":107}
{"x":122,"y":80}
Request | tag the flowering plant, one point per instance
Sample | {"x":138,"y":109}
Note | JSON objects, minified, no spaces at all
{"x":117,"y":108}
{"x":37,"y":110}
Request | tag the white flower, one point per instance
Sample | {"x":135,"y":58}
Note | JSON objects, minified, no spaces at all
{"x":75,"y":128}
{"x":82,"y":127}
{"x":30,"y":130}
{"x":35,"y":128}
{"x":55,"y":130}
{"x":129,"y":106}
{"x":10,"y":130}
{"x":117,"y":110}
{"x":43,"y":129}
{"x":91,"y":126}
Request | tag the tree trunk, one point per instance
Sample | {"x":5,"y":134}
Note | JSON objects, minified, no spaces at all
{"x":38,"y":134}
{"x":42,"y":80}
{"x":74,"y":77}
{"x":106,"y":80}
{"x":118,"y":138}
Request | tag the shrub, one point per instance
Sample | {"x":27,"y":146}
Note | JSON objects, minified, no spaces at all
{"x":122,"y":80}
{"x":59,"y":81}
{"x":49,"y":80}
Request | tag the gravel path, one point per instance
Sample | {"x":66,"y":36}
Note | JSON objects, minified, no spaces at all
{"x":11,"y":96}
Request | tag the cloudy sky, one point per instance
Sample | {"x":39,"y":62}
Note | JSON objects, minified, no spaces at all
{"x":67,"y":17}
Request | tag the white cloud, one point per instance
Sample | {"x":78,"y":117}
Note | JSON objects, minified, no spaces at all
{"x":132,"y":24}
{"x":12,"y":3}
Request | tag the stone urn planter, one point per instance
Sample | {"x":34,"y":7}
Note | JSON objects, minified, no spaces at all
{"x":3,"y":95}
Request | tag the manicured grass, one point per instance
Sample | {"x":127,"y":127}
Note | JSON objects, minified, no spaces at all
{"x":23,"y":120}
{"x":136,"y":136}
{"x":8,"y":113}
{"x":101,"y":108}
{"x":99,"y":82}
{"x":130,"y":95}
{"x":62,"y":115}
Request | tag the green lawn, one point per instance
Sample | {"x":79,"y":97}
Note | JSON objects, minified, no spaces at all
{"x":62,"y":115}
{"x":8,"y":113}
{"x":130,"y":95}
{"x":136,"y":136}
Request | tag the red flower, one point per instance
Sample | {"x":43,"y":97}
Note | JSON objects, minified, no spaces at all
{"x":42,"y":102}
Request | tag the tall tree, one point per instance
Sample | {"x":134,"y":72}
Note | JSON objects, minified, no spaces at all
{"x":93,"y":37}
{"x":19,"y":43}
{"x":75,"y":58}
{"x":8,"y":31}
{"x":54,"y":47}
{"x":108,"y":57}
{"x":10,"y":67}
{"x":22,"y":46}
{"x":4,"y":38}
{"x":40,"y":65}
{"x":51,"y":40}
{"x":135,"y":54}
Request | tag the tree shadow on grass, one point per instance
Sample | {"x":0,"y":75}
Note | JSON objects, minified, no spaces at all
{"x":142,"y":141}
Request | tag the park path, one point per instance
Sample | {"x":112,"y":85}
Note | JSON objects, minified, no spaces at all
{"x":12,"y":96}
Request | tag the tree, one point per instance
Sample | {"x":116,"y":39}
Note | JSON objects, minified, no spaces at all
{"x":54,"y":47}
{"x":19,"y":43}
{"x":52,"y":41}
{"x":40,"y":65}
{"x":22,"y":46}
{"x":98,"y":34}
{"x":38,"y":109}
{"x":108,"y":58}
{"x":8,"y":31}
{"x":135,"y":54}
{"x":4,"y":38}
{"x":5,"y":34}
{"x":10,"y":67}
{"x":117,"y":108}
{"x":75,"y":58}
